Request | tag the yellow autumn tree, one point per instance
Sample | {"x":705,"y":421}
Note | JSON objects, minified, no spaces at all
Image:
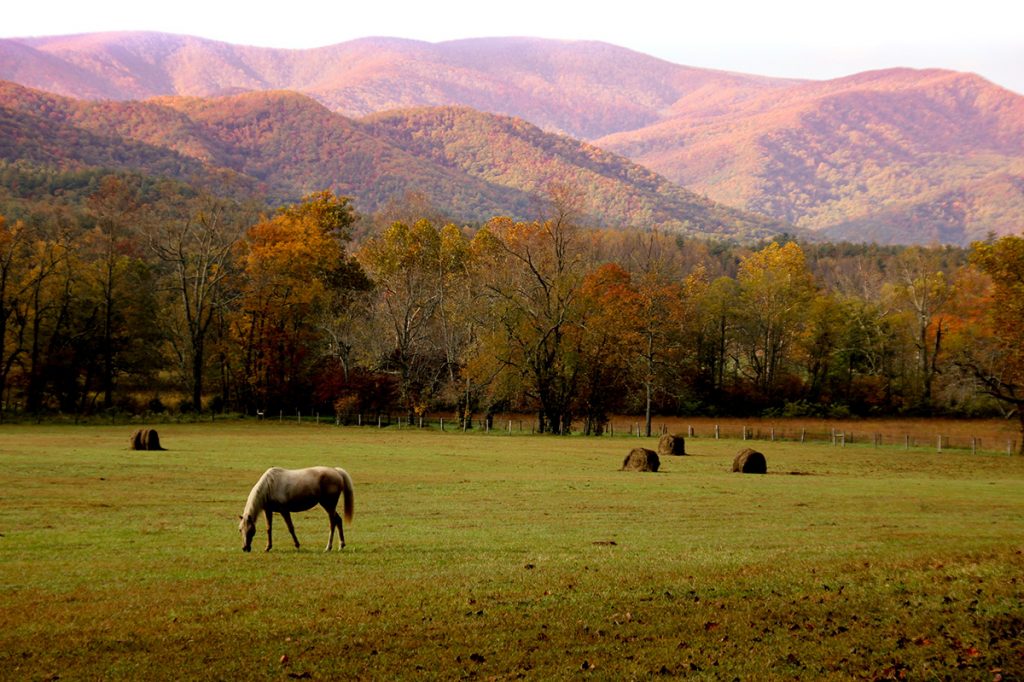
{"x":775,"y":291}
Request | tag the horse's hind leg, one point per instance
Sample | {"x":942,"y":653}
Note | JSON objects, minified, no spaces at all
{"x":341,"y":530}
{"x":291,"y":529}
{"x":335,"y":518}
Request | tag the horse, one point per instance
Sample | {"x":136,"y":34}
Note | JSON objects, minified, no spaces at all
{"x":291,"y":490}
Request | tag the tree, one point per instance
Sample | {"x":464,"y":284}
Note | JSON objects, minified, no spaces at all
{"x":116,"y":276}
{"x":775,"y":291}
{"x":530,"y":280}
{"x":710,"y":336}
{"x":15,"y":259}
{"x":921,"y":288}
{"x":296,"y":274}
{"x":643,"y":316}
{"x":418,"y":272}
{"x":990,"y":346}
{"x":606,"y":339}
{"x":197,"y":254}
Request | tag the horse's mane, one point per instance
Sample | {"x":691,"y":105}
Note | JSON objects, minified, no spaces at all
{"x":260,"y":492}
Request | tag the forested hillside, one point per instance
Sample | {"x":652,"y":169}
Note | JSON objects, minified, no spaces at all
{"x":894,"y":156}
{"x":279,"y":146}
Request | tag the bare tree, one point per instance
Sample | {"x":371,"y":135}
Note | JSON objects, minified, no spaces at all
{"x":197,"y":254}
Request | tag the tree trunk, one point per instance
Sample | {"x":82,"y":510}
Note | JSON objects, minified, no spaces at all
{"x":197,"y":374}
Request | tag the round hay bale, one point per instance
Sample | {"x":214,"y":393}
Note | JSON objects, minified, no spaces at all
{"x":749,"y":461}
{"x":145,"y":439}
{"x":152,"y":439}
{"x":641,"y":459}
{"x":671,"y":444}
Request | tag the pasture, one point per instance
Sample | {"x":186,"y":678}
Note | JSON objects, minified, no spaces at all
{"x":496,"y":556}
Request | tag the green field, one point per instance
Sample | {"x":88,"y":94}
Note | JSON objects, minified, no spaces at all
{"x":492,"y":556}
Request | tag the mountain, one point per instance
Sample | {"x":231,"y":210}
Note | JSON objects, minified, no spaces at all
{"x":61,"y":134}
{"x":583,"y":89}
{"x":899,"y":155}
{"x":512,"y":153}
{"x":284,"y":145}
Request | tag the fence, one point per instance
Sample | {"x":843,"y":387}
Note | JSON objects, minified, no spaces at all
{"x":839,"y":438}
{"x":891,"y":437}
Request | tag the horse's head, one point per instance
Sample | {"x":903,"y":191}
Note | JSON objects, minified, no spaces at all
{"x":247,"y":527}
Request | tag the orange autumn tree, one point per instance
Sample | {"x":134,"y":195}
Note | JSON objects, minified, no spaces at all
{"x":605,"y":293}
{"x":294,"y":265}
{"x":639,"y":318}
{"x":16,"y":259}
{"x":990,"y":344}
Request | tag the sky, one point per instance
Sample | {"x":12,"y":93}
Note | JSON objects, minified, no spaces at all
{"x":815,"y":39}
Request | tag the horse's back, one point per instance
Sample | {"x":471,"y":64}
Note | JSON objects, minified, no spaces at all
{"x":302,"y":489}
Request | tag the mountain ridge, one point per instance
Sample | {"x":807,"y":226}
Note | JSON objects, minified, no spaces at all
{"x":288,"y":145}
{"x":876,"y":149}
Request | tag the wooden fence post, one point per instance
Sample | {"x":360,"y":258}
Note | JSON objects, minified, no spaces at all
{"x":716,"y":431}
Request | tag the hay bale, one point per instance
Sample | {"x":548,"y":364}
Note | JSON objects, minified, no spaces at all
{"x":671,"y":444}
{"x":749,"y":461}
{"x":641,"y":459}
{"x":145,"y":439}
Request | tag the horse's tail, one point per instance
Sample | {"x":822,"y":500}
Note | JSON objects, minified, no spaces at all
{"x":348,"y":493}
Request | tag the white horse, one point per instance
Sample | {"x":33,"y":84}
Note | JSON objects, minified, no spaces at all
{"x":287,"y":490}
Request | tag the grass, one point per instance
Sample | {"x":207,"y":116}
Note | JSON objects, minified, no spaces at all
{"x":498,"y":556}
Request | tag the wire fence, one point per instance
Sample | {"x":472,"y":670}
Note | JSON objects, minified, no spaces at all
{"x":834,"y":437}
{"x":925,"y":434}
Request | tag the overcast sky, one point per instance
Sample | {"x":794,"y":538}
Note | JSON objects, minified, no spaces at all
{"x":796,"y":38}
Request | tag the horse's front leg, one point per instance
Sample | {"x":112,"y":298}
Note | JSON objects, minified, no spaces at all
{"x":270,"y":523}
{"x":291,"y":529}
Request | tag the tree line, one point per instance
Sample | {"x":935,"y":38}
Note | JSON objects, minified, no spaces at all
{"x":133,"y":301}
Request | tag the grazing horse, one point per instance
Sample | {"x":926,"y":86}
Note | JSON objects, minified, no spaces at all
{"x":291,"y":490}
